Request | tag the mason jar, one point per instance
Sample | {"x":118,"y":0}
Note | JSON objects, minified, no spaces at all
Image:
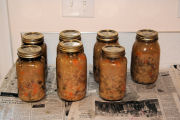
{"x":69,"y":35}
{"x":30,"y":73}
{"x":104,"y":37}
{"x":145,"y":57}
{"x":71,"y":68}
{"x":113,"y":70}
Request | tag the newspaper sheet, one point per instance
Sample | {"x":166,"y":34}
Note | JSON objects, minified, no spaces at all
{"x":158,"y":101}
{"x":12,"y":108}
{"x":175,"y":74}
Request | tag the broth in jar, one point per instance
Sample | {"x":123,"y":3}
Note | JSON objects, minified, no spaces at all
{"x":71,"y":67}
{"x":30,"y":73}
{"x":113,"y":70}
{"x":145,"y":57}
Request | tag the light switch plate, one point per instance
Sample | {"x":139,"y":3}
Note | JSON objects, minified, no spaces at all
{"x":78,"y":8}
{"x":178,"y":12}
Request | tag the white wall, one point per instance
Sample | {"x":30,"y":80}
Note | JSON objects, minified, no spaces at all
{"x":5,"y":44}
{"x":121,"y":15}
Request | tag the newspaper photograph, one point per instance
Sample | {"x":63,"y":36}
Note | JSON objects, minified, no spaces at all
{"x":146,"y":109}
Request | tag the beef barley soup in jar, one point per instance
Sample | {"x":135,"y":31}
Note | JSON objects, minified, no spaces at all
{"x":104,"y":37}
{"x":71,"y":68}
{"x":145,"y":57}
{"x":30,"y":73}
{"x":68,"y":35}
{"x":113,"y":70}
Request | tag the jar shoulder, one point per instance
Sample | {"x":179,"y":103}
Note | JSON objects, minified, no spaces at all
{"x":121,"y":60}
{"x":146,"y":47}
{"x":70,"y":57}
{"x":40,"y":62}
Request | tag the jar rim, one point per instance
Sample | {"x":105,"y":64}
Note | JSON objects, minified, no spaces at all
{"x":147,"y":35}
{"x":32,"y":38}
{"x":107,"y":35}
{"x":69,"y":34}
{"x":29,"y":51}
{"x":70,"y":46}
{"x":113,"y":51}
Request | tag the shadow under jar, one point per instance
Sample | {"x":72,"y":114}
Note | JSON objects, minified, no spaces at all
{"x":71,"y":68}
{"x":35,"y":38}
{"x":68,"y":35}
{"x":104,"y":37}
{"x":30,"y":73}
{"x":113,"y":70}
{"x":145,"y":57}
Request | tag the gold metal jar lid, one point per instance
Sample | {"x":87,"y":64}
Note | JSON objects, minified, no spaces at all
{"x":71,"y":46}
{"x":107,"y":35}
{"x":69,"y":34}
{"x":113,"y":51}
{"x":29,"y":51}
{"x":147,"y":35}
{"x":32,"y":38}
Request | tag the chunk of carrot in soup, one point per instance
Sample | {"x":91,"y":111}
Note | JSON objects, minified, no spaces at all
{"x":75,"y":61}
{"x":25,"y":94}
{"x":70,"y":94}
{"x":138,"y":53}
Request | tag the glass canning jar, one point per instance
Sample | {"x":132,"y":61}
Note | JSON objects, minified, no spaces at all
{"x":113,"y":70}
{"x":71,"y":68}
{"x":104,"y":37}
{"x":30,"y":73}
{"x":69,"y":35}
{"x":145,"y":57}
{"x":35,"y":38}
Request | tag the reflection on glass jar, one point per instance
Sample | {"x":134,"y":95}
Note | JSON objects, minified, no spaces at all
{"x":145,"y":57}
{"x":68,"y":35}
{"x":104,"y":37}
{"x":113,"y":70}
{"x":71,"y":68}
{"x":30,"y":73}
{"x":35,"y":38}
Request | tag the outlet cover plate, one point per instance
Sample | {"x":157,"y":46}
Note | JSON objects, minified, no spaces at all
{"x":78,"y":8}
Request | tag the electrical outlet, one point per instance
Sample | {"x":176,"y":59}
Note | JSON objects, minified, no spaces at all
{"x":78,"y":8}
